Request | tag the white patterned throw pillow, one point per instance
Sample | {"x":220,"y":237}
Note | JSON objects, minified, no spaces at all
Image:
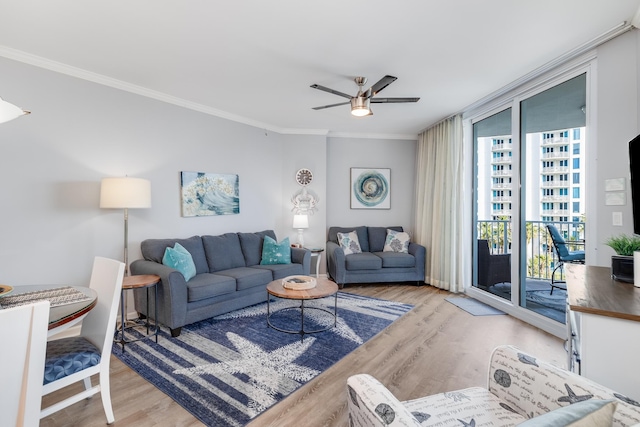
{"x":397,"y":241}
{"x":349,"y":243}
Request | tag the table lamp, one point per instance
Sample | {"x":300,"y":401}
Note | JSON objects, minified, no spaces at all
{"x":125,"y":193}
{"x":300,"y":222}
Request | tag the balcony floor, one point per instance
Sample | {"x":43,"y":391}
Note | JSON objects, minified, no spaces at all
{"x":539,"y":298}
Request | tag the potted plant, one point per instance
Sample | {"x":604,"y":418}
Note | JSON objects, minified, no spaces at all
{"x":622,"y":263}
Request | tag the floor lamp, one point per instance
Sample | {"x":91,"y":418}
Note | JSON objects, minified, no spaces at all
{"x":125,"y":193}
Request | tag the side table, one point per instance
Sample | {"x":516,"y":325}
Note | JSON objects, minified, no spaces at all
{"x":316,"y":252}
{"x":147,"y":281}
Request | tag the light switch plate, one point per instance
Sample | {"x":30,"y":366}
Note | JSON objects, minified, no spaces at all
{"x":617,"y":218}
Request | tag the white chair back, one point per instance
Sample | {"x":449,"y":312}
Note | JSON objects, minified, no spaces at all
{"x":23,"y":332}
{"x":98,"y":326}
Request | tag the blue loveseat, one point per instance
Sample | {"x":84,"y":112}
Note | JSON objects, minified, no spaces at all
{"x":373,"y":265}
{"x":228,"y":276}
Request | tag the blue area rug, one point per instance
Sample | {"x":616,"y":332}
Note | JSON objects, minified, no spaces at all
{"x":229,"y":369}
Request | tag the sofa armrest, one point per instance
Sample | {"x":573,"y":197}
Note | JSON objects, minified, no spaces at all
{"x":371,"y":404}
{"x":302,"y":256}
{"x":532,"y":387}
{"x":336,"y":266}
{"x":420,"y":254}
{"x":172,"y":293}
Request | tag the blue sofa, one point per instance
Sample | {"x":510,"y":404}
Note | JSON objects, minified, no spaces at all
{"x":228,"y":276}
{"x":373,"y":265}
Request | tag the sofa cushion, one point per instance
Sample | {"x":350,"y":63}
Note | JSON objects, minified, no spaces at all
{"x":396,"y":260}
{"x":275,"y":252}
{"x":397,"y":241}
{"x":251,"y":244}
{"x":153,"y":250}
{"x":208,"y":285}
{"x":248,"y":277}
{"x":280,"y":271}
{"x":363,"y":261}
{"x":471,"y":406}
{"x":378,"y":237}
{"x":223,"y":252}
{"x":363,"y":235}
{"x":180,"y":259}
{"x":349,"y":243}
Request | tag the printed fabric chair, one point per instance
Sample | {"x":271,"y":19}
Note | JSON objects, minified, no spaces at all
{"x":23,"y":332}
{"x":492,"y":269}
{"x":564,"y":255}
{"x":73,"y":359}
{"x":520,"y":390}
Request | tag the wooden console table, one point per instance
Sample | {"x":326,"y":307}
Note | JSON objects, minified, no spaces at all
{"x":604,"y":318}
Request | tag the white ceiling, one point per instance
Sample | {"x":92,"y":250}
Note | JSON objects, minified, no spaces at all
{"x":254,"y":60}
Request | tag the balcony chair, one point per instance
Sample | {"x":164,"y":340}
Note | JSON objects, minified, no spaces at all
{"x":564,"y":255}
{"x":492,"y":268}
{"x":73,"y":359}
{"x":23,"y":332}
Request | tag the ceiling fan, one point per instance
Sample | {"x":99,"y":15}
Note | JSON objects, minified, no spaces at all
{"x":360,"y":102}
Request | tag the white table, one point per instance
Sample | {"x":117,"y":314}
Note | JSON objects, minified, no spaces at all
{"x":316,"y":252}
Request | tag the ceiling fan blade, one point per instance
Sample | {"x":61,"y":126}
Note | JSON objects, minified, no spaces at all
{"x":332,"y":105}
{"x":392,"y":100}
{"x":382,"y":83}
{"x":335,"y":92}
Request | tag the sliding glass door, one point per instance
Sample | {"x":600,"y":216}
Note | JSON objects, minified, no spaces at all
{"x":523,"y":186}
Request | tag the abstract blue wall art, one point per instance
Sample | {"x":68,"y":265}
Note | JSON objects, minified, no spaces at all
{"x":370,"y":188}
{"x":205,"y":194}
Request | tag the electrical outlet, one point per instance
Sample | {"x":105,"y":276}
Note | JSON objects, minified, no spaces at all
{"x":617,"y":218}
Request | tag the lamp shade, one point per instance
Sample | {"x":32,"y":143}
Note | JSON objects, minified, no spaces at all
{"x":9,"y":111}
{"x":300,"y":221}
{"x":129,"y":193}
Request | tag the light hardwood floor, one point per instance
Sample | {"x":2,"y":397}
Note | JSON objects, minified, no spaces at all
{"x":435,"y":347}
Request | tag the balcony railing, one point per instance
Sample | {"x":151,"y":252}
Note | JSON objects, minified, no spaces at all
{"x":556,"y":155}
{"x":540,"y":253}
{"x":505,"y":146}
{"x":555,"y":169}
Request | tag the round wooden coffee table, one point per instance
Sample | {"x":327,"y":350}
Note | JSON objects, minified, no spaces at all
{"x":324,"y":288}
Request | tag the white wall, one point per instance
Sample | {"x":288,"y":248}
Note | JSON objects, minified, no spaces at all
{"x":52,"y":161}
{"x":398,"y":155}
{"x":617,"y":112}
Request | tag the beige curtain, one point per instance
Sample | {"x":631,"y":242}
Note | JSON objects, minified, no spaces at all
{"x":439,"y":207}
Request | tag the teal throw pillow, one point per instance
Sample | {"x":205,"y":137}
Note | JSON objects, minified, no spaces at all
{"x":588,"y":413}
{"x":274,"y":252}
{"x":180,"y":259}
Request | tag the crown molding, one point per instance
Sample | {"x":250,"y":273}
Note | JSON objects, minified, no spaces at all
{"x":59,"y":67}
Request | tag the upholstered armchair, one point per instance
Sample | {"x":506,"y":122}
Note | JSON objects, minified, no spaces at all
{"x":492,"y":268}
{"x":520,"y":390}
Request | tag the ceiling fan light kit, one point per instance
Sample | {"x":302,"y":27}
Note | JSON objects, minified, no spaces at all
{"x":360,"y":107}
{"x":360,"y":103}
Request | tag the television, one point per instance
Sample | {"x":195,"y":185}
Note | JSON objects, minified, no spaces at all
{"x":634,"y":165}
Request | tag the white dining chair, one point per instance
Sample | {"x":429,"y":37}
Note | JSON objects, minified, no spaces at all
{"x":23,"y":332}
{"x":73,"y":359}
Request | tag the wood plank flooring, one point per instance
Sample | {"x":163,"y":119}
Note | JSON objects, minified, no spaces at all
{"x":435,"y":347}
